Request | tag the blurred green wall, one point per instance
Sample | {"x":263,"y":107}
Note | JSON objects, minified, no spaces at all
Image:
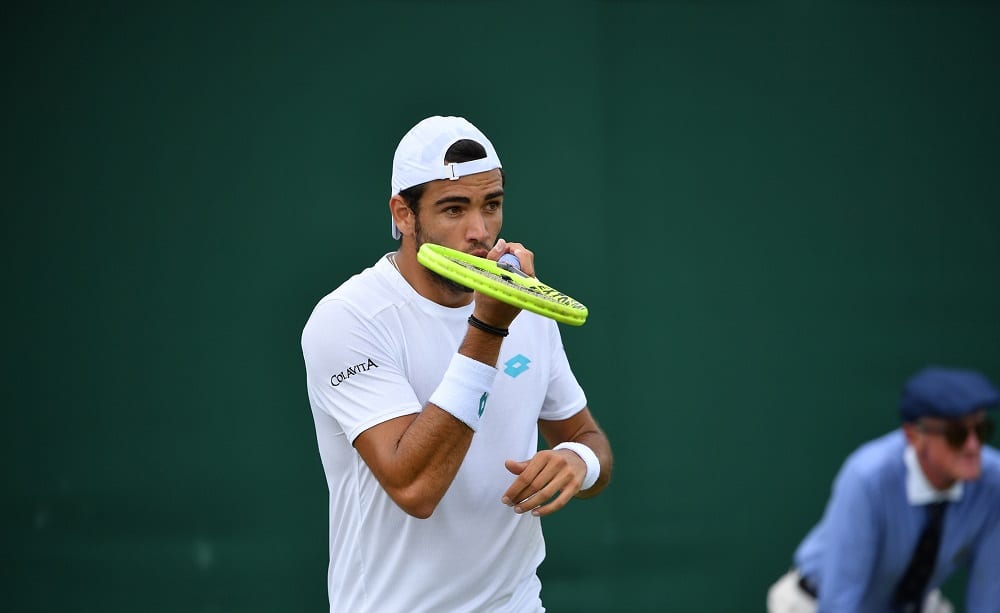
{"x":803,"y":194}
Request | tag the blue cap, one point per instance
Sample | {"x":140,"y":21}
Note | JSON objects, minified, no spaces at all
{"x":946,"y":392}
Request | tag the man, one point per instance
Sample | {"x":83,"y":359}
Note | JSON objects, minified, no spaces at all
{"x":909,"y":509}
{"x":428,"y":400}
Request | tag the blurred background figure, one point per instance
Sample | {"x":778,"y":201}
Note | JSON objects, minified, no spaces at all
{"x":908,"y":510}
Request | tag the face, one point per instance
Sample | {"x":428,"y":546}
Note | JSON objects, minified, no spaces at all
{"x":944,"y":455}
{"x":466,"y":215}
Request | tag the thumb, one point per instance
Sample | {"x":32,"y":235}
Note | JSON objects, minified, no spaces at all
{"x":515,"y":467}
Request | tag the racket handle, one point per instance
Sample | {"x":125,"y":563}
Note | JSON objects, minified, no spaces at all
{"x":508,"y":261}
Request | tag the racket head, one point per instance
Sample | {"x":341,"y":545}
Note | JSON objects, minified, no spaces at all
{"x":513,"y":288}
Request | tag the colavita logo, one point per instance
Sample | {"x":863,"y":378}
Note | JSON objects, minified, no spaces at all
{"x":344,"y":375}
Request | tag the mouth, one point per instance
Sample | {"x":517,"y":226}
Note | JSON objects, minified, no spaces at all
{"x":969,"y":463}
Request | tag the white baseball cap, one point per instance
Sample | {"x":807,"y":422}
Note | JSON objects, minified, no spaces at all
{"x":419,"y":157}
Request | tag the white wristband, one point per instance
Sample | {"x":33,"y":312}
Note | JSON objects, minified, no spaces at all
{"x":464,"y":388}
{"x":589,"y":458}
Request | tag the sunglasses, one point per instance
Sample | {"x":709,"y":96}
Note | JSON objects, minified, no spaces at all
{"x":955,"y":432}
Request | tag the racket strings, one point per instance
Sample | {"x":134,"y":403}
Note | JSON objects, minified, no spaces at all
{"x":539,"y":290}
{"x":485,"y":276}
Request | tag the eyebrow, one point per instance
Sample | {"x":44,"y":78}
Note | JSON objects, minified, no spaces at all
{"x":465,"y":200}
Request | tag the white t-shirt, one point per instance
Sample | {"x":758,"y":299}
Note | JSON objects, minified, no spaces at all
{"x":375,"y":349}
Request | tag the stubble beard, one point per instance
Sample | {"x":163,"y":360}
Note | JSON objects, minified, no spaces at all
{"x":447,"y":284}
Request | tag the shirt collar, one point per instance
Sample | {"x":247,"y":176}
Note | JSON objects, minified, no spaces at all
{"x":918,"y":489}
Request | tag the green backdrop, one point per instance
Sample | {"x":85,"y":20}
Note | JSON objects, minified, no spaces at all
{"x":805,"y":194}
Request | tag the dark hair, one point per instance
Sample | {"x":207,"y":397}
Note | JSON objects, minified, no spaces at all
{"x":464,"y":150}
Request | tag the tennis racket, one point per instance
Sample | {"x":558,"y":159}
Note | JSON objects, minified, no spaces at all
{"x":504,"y":281}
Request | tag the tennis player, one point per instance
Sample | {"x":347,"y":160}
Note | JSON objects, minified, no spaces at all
{"x":428,"y":400}
{"x":908,"y":510}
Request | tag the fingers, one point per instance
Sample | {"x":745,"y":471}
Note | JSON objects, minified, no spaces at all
{"x":524,"y":255}
{"x":515,"y":467}
{"x":544,"y":484}
{"x":497,"y":312}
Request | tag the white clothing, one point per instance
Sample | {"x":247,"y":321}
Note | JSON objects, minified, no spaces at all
{"x":785,"y":596}
{"x":374,"y":350}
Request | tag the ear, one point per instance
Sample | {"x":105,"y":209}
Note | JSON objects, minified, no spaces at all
{"x":912,"y":432}
{"x":402,"y":214}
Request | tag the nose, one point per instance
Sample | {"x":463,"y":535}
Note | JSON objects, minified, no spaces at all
{"x":476,"y":230}
{"x":972,"y":442}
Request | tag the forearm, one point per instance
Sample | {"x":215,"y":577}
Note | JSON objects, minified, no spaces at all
{"x":481,"y":346}
{"x":419,"y":468}
{"x":419,"y":458}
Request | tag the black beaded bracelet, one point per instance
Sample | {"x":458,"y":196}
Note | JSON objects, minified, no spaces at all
{"x":485,"y":327}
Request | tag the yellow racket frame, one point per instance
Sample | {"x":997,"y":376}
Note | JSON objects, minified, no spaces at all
{"x":483,"y":275}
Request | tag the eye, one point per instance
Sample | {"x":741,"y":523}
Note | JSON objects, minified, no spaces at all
{"x":493,"y":205}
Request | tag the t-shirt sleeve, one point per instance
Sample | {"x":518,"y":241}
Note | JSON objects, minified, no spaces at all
{"x":852,"y":540}
{"x":983,"y":589}
{"x":564,"y":396}
{"x":353,"y":373}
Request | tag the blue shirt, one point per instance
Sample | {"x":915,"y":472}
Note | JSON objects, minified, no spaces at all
{"x":859,"y":550}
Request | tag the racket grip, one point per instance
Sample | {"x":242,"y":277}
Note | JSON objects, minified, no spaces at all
{"x":508,"y":261}
{"x":511,"y":264}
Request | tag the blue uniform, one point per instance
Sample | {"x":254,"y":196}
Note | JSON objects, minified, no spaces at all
{"x":859,"y":550}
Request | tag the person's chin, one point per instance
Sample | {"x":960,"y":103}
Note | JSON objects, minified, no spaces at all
{"x":968,"y":469}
